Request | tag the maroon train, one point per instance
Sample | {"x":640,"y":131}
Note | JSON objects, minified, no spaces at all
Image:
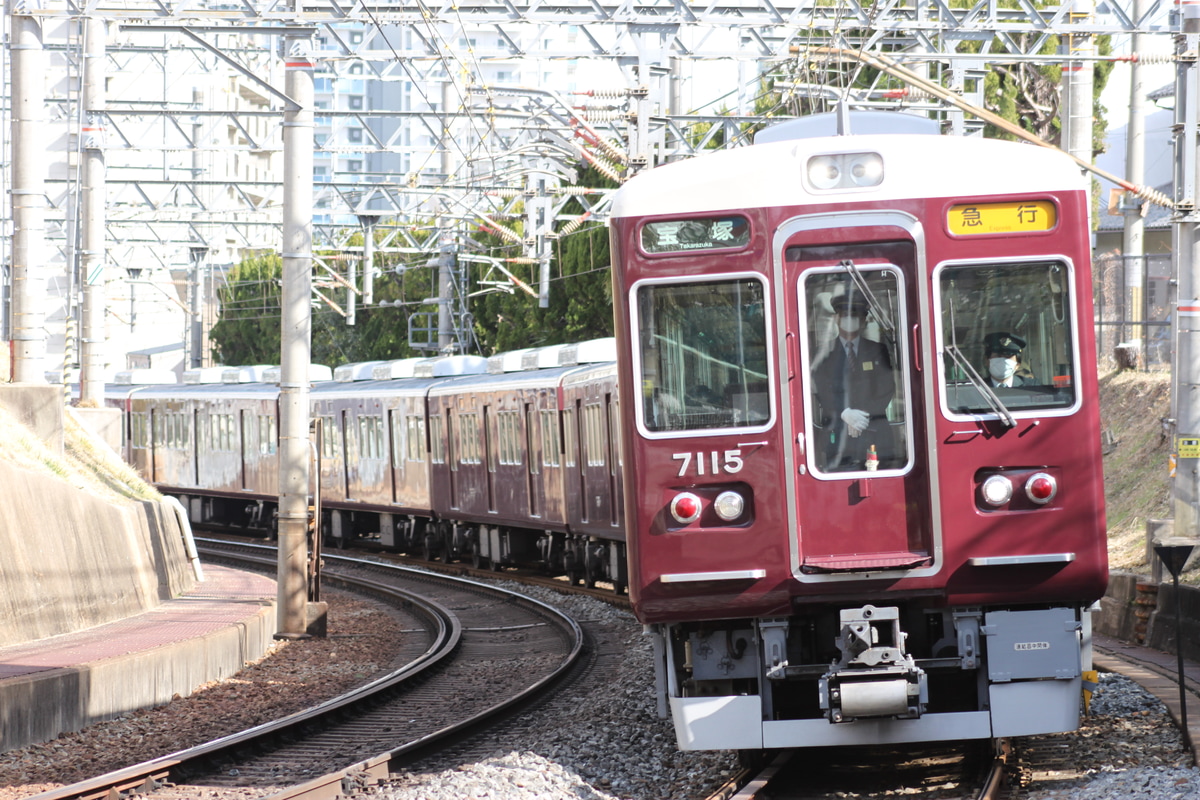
{"x":896,"y":544}
{"x":512,"y":460}
{"x":853,"y":453}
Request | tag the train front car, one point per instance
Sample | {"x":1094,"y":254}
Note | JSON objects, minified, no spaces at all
{"x":863,"y":476}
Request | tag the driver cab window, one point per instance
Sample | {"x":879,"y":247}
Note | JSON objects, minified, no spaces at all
{"x":1007,"y":338}
{"x":858,"y":413}
{"x":703,"y":356}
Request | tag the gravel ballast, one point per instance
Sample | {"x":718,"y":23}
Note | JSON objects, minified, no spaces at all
{"x":601,"y":740}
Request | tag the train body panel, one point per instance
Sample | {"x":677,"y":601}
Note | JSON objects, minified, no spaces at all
{"x":503,"y":460}
{"x":372,"y":448}
{"x":864,"y":429}
{"x":215,"y":439}
{"x":592,"y":456}
{"x":460,"y":465}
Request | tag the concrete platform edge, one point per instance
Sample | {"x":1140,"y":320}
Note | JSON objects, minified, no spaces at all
{"x":40,"y":706}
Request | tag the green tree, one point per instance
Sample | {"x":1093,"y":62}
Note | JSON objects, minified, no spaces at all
{"x":248,"y":331}
{"x":580,"y":300}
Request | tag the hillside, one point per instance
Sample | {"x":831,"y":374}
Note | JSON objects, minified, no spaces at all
{"x":1137,"y":483}
{"x":86,"y":462}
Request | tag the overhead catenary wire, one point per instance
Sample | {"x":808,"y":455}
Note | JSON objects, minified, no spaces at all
{"x":882,"y":62}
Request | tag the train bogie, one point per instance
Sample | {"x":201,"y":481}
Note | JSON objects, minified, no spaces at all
{"x":863,"y":438}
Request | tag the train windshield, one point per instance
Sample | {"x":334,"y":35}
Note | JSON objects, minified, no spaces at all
{"x":1006,"y":332}
{"x":858,"y":406}
{"x":703,"y":354}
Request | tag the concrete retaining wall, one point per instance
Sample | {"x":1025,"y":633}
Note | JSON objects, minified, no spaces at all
{"x":1137,"y":610}
{"x":72,"y":560}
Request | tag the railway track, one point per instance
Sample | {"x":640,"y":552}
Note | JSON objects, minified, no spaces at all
{"x":477,"y":653}
{"x":973,"y":769}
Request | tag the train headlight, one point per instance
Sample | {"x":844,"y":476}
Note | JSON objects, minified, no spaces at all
{"x":845,"y":171}
{"x":1041,"y":488}
{"x":997,"y":490}
{"x":685,"y":508}
{"x":824,"y":172}
{"x":865,"y":169}
{"x":729,"y":506}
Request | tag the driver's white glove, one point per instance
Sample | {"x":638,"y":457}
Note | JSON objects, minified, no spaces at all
{"x":856,"y":421}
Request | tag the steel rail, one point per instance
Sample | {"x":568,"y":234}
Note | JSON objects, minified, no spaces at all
{"x":446,"y":634}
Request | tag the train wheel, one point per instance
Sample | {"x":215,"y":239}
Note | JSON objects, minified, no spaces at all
{"x":570,"y":565}
{"x":753,"y":760}
{"x":428,"y":548}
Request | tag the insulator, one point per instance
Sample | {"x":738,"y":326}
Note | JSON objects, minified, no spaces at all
{"x":1147,"y":58}
{"x":1152,"y":195}
{"x":577,"y":191}
{"x":604,"y":93}
{"x":573,"y":225}
{"x":602,"y":114}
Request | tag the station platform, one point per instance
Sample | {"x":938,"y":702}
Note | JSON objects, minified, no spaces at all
{"x":65,"y":683}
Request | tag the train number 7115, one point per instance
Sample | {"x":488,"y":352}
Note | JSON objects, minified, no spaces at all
{"x":710,"y":463}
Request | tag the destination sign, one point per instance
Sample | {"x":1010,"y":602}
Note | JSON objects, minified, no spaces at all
{"x":1027,"y":216}
{"x":710,"y":233}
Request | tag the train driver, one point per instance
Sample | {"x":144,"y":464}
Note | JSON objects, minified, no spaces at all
{"x":1003,"y":352}
{"x":854,"y":384}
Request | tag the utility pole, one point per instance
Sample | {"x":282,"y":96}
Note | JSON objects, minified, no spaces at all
{"x":368,"y":220}
{"x":196,"y":254}
{"x":292,"y":571}
{"x":28,"y":196}
{"x":93,"y":201}
{"x":447,"y":291}
{"x":1133,"y":243}
{"x":1186,"y":386}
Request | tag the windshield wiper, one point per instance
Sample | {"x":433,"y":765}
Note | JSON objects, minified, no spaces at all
{"x":861,"y":284}
{"x":979,"y":383}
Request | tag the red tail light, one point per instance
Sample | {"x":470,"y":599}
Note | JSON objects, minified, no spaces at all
{"x":685,"y":507}
{"x":1041,"y":488}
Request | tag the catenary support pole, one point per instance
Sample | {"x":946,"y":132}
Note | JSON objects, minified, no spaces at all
{"x":1133,"y":244}
{"x":1186,"y":378}
{"x":296,"y":340}
{"x":28,"y":67}
{"x":92,"y":256}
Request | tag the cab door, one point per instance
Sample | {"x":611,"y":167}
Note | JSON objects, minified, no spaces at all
{"x":861,"y":490}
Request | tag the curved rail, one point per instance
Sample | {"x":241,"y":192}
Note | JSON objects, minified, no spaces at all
{"x":446,"y":634}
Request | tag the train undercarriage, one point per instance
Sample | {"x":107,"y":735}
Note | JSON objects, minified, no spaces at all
{"x":586,"y":560}
{"x":866,"y":674}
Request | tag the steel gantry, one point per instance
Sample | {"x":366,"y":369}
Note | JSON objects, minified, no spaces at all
{"x":437,"y":132}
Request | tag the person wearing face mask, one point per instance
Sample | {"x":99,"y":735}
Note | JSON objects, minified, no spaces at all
{"x":1004,"y":360}
{"x":854,"y":383}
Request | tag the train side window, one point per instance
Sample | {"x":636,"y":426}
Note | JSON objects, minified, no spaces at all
{"x":264,"y":440}
{"x":569,"y":444}
{"x":329,"y":438}
{"x":437,"y":439}
{"x":137,"y":430}
{"x":593,"y":441}
{"x":703,"y":355}
{"x":1006,"y":332}
{"x":531,"y":432}
{"x":550,"y":439}
{"x":415,"y":441}
{"x":614,"y":434}
{"x":858,"y":408}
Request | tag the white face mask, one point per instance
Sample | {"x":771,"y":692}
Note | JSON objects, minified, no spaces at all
{"x":1002,"y":368}
{"x":849,"y":324}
